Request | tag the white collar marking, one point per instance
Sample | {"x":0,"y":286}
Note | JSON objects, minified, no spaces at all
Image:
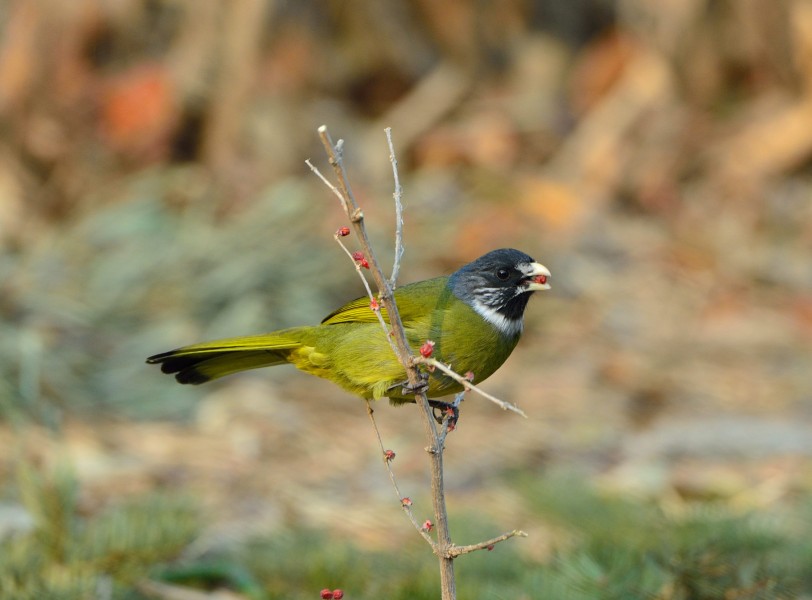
{"x":509,"y":327}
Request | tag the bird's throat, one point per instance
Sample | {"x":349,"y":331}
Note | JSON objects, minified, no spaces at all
{"x":508,"y":322}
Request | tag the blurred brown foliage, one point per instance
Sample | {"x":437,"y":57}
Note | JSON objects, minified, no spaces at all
{"x":619,"y":99}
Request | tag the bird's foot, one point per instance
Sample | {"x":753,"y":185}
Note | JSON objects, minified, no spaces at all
{"x":407,"y":389}
{"x":441,"y":410}
{"x":447,"y":410}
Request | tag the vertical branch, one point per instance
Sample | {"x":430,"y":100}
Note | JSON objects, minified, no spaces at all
{"x":397,"y":196}
{"x":444,"y":546}
{"x":356,"y":217}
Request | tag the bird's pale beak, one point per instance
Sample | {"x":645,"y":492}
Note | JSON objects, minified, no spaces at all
{"x":537,"y":276}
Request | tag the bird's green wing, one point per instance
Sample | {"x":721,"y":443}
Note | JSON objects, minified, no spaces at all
{"x":414,"y":300}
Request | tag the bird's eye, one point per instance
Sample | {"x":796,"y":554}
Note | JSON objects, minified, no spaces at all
{"x":502,"y":274}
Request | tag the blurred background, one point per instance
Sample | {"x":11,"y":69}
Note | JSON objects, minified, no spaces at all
{"x":656,"y":156}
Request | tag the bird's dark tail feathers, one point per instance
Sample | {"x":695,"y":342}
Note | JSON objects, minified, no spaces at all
{"x":203,"y":362}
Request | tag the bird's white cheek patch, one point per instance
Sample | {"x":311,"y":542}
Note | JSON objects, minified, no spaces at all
{"x":507,"y":326}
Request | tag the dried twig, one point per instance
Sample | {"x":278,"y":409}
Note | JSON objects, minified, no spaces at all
{"x":435,"y":364}
{"x":487,"y":545}
{"x":327,"y":182}
{"x":397,"y":195}
{"x":405,"y":502}
{"x":374,"y":306}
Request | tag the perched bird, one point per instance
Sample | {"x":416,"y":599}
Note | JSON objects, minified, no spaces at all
{"x":474,"y":317}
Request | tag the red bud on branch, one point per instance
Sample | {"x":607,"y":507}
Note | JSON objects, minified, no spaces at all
{"x":360,"y":259}
{"x":427,"y":349}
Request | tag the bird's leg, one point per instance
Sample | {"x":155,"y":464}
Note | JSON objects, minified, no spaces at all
{"x":407,"y":389}
{"x":448,"y":410}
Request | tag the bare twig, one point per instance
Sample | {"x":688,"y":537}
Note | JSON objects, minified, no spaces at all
{"x":397,"y":196}
{"x":407,"y":508}
{"x":455,"y":550}
{"x":373,"y":302}
{"x":356,"y":217}
{"x":358,"y":267}
{"x":358,"y":270}
{"x":435,"y":364}
{"x":489,"y":544}
{"x":327,"y":182}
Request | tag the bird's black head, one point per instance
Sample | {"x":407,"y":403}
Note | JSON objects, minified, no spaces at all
{"x":498,"y":286}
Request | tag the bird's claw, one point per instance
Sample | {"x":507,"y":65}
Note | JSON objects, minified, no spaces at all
{"x":413,"y":390}
{"x":441,"y":410}
{"x":448,"y":410}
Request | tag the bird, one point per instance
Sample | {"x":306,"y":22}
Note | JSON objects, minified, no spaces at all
{"x":474,"y":317}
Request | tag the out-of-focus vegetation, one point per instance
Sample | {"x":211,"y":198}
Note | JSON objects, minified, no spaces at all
{"x":655,"y":156}
{"x":607,"y":547}
{"x":57,"y":552}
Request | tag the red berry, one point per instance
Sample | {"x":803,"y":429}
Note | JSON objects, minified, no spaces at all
{"x":427,"y":349}
{"x":389,"y":455}
{"x":428,"y":525}
{"x":328,"y":594}
{"x":405,"y":501}
{"x":373,"y":304}
{"x":343,"y":231}
{"x":542,"y":279}
{"x":338,"y":594}
{"x":490,"y":547}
